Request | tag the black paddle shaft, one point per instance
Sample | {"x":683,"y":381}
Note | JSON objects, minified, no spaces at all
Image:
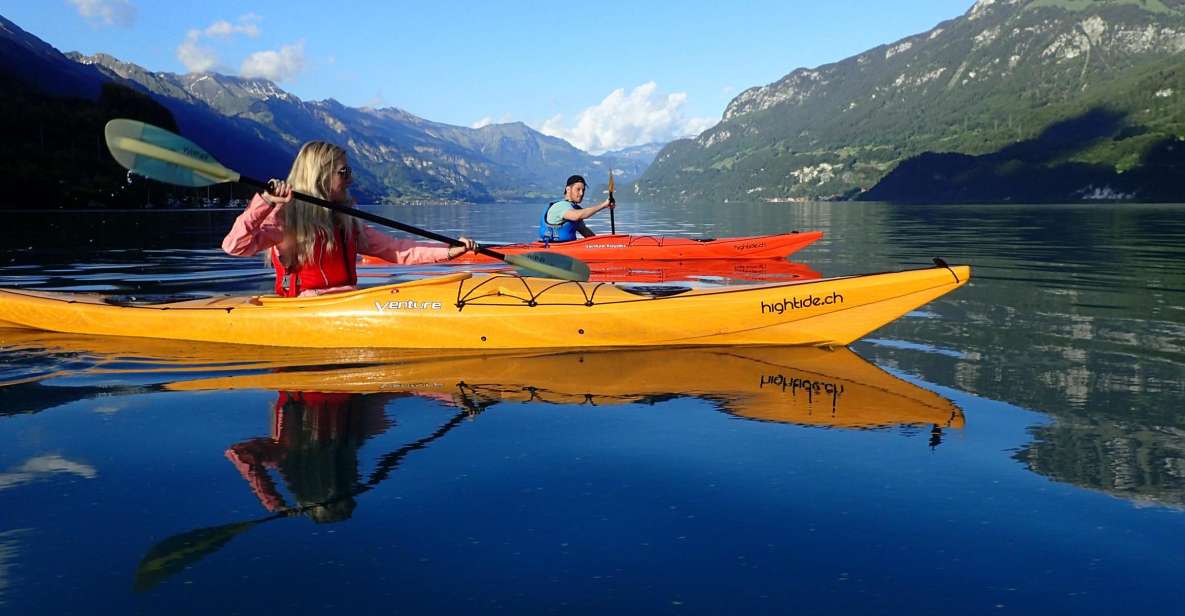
{"x":375,"y":218}
{"x":612,"y":220}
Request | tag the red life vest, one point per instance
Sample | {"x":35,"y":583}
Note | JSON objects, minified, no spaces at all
{"x":327,"y":269}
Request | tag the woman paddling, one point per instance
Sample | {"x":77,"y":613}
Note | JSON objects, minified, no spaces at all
{"x":314,"y":249}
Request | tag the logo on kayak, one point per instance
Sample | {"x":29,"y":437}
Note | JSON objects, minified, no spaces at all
{"x":407,"y":304}
{"x":748,"y":246}
{"x":409,"y":386}
{"x":812,"y":387}
{"x":806,"y":301}
{"x":606,"y":246}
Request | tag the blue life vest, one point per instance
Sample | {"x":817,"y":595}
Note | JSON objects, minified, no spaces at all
{"x":565,"y":231}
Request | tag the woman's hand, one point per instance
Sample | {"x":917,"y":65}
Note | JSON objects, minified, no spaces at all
{"x":468,"y":245}
{"x":278,"y":193}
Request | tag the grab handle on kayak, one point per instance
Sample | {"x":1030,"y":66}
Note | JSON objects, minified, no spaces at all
{"x":940,"y":262}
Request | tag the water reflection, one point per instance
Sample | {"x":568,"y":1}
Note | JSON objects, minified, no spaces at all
{"x":329,"y":403}
{"x":44,"y":467}
{"x":9,"y":551}
{"x":1145,"y":464}
{"x":313,"y":447}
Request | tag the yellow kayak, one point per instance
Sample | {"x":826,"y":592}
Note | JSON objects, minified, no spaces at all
{"x":774,"y":383}
{"x":494,"y":311}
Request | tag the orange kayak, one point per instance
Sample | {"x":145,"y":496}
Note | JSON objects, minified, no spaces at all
{"x":491,"y":311}
{"x":650,"y":272}
{"x":649,"y":247}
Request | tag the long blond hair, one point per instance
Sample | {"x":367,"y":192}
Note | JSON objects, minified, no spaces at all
{"x":311,"y":174}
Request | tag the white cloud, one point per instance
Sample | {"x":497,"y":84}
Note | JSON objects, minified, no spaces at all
{"x":279,"y":65}
{"x":622,"y":120}
{"x":42,"y":467}
{"x":198,"y":58}
{"x":247,"y":24}
{"x":106,"y":12}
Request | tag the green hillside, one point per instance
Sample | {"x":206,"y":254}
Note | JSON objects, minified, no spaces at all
{"x":1004,"y":81}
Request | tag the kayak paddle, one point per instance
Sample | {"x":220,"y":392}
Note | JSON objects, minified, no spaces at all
{"x":164,"y":156}
{"x":612,"y":202}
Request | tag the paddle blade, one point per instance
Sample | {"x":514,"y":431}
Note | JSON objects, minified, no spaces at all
{"x":610,"y":183}
{"x":163,"y":156}
{"x":176,"y":553}
{"x":549,"y":265}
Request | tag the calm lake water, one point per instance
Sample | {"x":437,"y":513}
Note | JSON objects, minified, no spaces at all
{"x":1018,"y":445}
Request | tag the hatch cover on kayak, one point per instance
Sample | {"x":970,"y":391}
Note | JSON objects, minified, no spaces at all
{"x":655,"y":290}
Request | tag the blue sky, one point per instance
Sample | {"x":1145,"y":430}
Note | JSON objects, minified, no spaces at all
{"x":603,"y":75}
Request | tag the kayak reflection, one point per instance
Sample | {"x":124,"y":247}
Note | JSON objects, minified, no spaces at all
{"x":806,"y":386}
{"x":801,"y":385}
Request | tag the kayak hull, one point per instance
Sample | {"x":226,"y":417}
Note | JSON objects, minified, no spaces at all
{"x":648,"y":247}
{"x":466,"y":311}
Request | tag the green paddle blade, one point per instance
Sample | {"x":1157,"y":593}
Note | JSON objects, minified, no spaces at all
{"x":549,"y":265}
{"x":161,"y":155}
{"x":178,"y":552}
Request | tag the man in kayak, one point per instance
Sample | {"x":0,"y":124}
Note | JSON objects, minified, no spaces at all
{"x":563,"y":219}
{"x":313,"y":249}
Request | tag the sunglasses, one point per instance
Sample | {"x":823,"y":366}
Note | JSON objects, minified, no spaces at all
{"x":346,"y":172}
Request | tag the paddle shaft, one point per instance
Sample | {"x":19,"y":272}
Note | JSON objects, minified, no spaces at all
{"x":612,"y":203}
{"x":375,"y":218}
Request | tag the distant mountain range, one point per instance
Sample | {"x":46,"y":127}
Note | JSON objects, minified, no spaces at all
{"x":1016,"y":100}
{"x":256,"y":127}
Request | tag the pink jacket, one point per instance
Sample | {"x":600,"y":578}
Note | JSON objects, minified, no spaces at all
{"x":258,"y":229}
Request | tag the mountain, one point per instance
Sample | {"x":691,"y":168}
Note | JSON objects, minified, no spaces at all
{"x":56,"y":105}
{"x":52,"y":113}
{"x":1022,"y":100}
{"x":398,"y":156}
{"x":27,"y":59}
{"x":642,"y":155}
